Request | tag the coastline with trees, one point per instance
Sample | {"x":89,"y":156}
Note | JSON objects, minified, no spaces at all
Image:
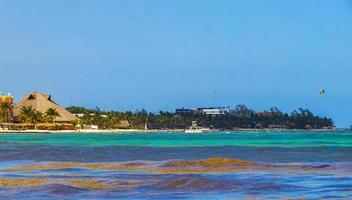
{"x":241,"y":117}
{"x":37,"y":111}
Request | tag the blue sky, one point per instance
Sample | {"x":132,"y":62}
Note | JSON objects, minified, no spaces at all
{"x":164,"y":54}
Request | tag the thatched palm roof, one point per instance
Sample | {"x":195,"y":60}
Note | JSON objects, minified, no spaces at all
{"x":42,"y":102}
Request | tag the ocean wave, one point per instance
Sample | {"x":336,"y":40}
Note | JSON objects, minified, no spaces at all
{"x":194,"y":183}
{"x":71,"y":184}
{"x":165,"y":183}
{"x":210,"y":165}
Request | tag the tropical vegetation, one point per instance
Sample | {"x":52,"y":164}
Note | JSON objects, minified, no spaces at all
{"x":29,"y":115}
{"x":6,"y":113}
{"x":240,"y":117}
{"x":51,"y":114}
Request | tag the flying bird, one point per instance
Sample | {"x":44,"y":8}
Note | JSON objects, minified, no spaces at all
{"x":322,"y":91}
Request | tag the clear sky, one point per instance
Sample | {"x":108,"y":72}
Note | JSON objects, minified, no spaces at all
{"x":165,"y":54}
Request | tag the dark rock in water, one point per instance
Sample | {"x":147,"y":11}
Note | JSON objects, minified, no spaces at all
{"x":320,"y":166}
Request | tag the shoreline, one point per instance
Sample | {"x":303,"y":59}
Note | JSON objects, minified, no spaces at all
{"x":136,"y":131}
{"x":81,"y":131}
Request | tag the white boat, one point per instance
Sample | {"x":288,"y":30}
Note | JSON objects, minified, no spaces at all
{"x":196,"y":130}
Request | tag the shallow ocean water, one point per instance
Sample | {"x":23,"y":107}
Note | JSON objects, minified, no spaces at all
{"x":310,"y":165}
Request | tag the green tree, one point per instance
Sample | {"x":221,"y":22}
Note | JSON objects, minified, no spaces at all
{"x":6,"y":112}
{"x":51,"y":114}
{"x":39,"y":117}
{"x":27,"y":114}
{"x":243,"y":111}
{"x":241,"y":117}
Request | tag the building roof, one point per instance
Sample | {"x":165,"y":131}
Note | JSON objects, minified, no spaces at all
{"x":123,"y":123}
{"x":42,"y":102}
{"x":6,"y":99}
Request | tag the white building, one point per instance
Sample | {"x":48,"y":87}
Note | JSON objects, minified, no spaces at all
{"x":214,"y":110}
{"x":206,"y":110}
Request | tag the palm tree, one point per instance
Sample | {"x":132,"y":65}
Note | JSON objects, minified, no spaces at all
{"x":39,"y":117}
{"x":6,"y":111}
{"x":51,"y":114}
{"x":28,"y":114}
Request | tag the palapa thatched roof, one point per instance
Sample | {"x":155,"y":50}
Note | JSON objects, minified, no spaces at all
{"x":123,"y":124}
{"x":42,"y":102}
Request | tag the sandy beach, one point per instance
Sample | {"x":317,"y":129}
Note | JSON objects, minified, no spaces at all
{"x":85,"y":131}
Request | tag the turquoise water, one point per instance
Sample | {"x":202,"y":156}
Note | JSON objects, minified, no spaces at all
{"x":252,"y":139}
{"x":286,"y":156}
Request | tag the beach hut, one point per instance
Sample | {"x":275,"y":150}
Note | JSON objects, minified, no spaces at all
{"x":42,"y":102}
{"x":123,"y":124}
